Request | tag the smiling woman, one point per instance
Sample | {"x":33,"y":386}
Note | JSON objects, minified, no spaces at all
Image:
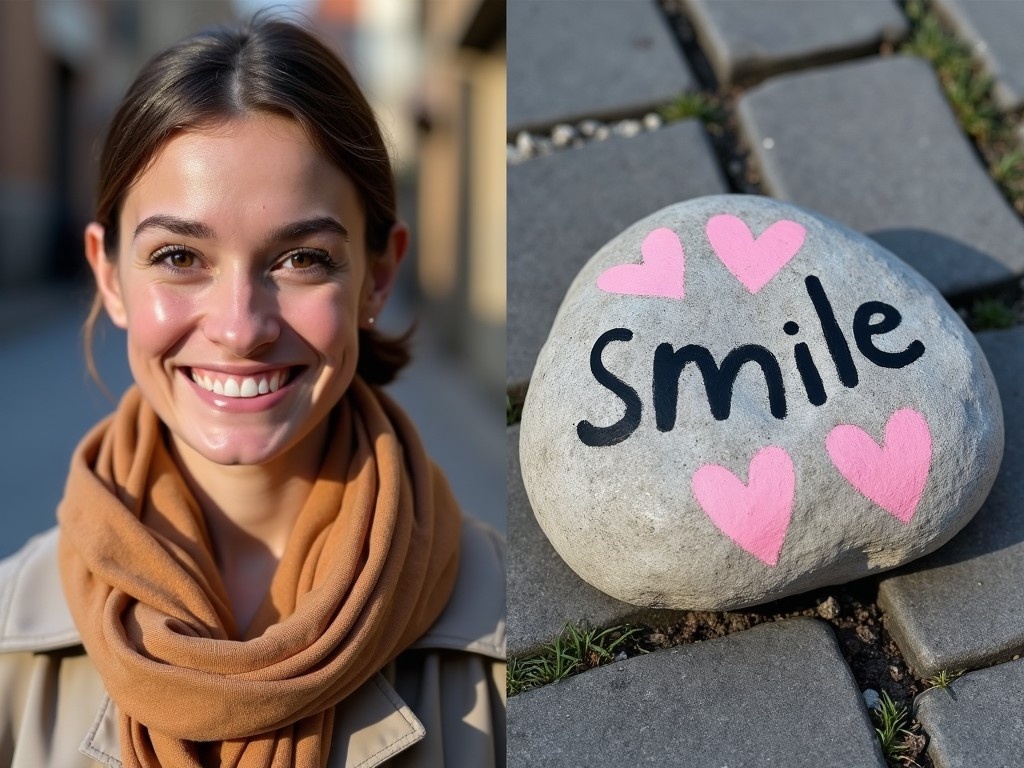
{"x":258,"y":565}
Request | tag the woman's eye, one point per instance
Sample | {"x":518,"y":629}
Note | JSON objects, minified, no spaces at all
{"x":308,"y":260}
{"x":174,"y":257}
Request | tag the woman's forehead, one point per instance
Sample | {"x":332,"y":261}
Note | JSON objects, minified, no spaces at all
{"x":257,"y":169}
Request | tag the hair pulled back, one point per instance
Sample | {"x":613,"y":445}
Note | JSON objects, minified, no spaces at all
{"x":268,"y":66}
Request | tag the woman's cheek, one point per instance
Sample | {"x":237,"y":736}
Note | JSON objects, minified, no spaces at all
{"x":159,"y":317}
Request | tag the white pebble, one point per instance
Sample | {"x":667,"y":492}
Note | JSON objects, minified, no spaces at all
{"x":602,"y":133}
{"x":652,"y":121}
{"x":768,"y":143}
{"x":562,"y":134}
{"x":525,"y":144}
{"x":627,"y":128}
{"x":588,"y":127}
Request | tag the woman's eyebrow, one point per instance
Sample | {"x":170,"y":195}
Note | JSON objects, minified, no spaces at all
{"x":176,"y":225}
{"x":314,"y":226}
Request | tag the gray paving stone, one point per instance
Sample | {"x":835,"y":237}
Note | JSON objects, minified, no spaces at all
{"x":749,"y":40}
{"x":963,"y":607}
{"x":775,"y":695}
{"x":874,"y":145}
{"x":543,"y":592}
{"x":978,"y":721}
{"x":993,"y":29}
{"x":563,"y":207}
{"x":570,"y":60}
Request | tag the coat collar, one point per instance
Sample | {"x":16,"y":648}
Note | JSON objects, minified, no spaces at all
{"x":371,"y":726}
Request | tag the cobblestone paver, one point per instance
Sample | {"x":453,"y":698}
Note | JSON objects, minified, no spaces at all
{"x":993,"y":28}
{"x":695,"y":705}
{"x":567,"y":61}
{"x":751,"y":39}
{"x":977,"y":720}
{"x":962,"y":607}
{"x":874,"y":145}
{"x":563,"y":207}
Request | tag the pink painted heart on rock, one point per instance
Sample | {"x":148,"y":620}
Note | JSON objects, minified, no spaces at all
{"x":754,"y":262}
{"x":756,"y":515}
{"x":892,"y":475}
{"x":660,"y":274}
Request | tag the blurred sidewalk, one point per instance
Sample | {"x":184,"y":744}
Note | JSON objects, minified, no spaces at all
{"x":48,"y":402}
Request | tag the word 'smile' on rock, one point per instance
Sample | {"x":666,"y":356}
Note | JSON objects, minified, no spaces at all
{"x":740,"y":400}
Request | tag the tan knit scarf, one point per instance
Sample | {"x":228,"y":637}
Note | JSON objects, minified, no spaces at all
{"x":369,"y":566}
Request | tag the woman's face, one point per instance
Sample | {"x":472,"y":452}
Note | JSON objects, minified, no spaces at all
{"x":242,"y":280}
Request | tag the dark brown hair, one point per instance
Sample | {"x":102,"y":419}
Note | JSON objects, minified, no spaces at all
{"x":266,"y":65}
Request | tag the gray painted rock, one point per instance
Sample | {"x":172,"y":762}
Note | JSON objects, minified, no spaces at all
{"x":741,"y":400}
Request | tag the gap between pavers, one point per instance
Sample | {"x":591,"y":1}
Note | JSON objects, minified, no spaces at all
{"x":571,"y":60}
{"x":874,"y":145}
{"x":963,"y":606}
{"x":563,"y":207}
{"x":993,"y":30}
{"x":778,"y":694}
{"x":747,"y":40}
{"x":977,"y":720}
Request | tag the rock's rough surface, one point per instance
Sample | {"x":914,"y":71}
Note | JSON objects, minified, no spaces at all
{"x":741,"y":400}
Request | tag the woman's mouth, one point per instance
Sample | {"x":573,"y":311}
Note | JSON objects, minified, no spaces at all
{"x":254,"y":385}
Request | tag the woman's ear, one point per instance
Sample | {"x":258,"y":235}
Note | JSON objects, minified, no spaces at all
{"x":381,"y":272}
{"x":105,"y":271}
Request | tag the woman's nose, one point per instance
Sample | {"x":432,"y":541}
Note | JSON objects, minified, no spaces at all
{"x":241,"y":315}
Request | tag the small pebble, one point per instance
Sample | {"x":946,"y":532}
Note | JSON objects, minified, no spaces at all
{"x":768,"y":142}
{"x":545,"y":146}
{"x":562,"y":134}
{"x":627,"y":128}
{"x":871,"y":698}
{"x":602,"y":133}
{"x":829,"y":609}
{"x":894,"y":673}
{"x":512,"y":155}
{"x":525,"y":144}
{"x":652,"y":121}
{"x":588,"y":127}
{"x":620,"y":656}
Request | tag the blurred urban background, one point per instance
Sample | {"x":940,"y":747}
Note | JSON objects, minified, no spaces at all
{"x":435,"y":72}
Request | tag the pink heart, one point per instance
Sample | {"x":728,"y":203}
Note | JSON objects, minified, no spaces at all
{"x":756,"y":515}
{"x":893,"y":475}
{"x":754,"y":262}
{"x":660,"y":274}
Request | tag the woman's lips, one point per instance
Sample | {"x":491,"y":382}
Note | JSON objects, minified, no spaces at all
{"x":242,"y":386}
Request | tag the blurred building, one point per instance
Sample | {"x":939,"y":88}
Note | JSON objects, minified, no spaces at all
{"x":435,"y":71}
{"x":462,"y":171}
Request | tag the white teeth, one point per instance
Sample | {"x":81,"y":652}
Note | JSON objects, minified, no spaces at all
{"x":248,"y":387}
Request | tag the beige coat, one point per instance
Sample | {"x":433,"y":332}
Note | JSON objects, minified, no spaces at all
{"x":441,"y":703}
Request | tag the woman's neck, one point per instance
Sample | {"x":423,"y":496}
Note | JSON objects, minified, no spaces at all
{"x":250,"y":512}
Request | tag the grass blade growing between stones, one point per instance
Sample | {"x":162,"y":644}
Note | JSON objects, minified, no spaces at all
{"x":575,"y":649}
